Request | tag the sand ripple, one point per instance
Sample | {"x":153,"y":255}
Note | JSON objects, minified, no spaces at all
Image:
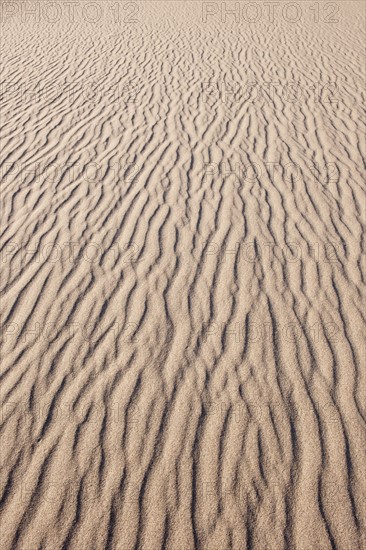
{"x":182,"y":256}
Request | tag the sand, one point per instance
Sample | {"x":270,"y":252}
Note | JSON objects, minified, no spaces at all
{"x":182,"y":288}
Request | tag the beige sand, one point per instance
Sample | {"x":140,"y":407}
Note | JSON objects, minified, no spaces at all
{"x":183,"y":364}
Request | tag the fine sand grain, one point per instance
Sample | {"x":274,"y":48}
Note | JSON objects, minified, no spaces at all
{"x":182,"y":287}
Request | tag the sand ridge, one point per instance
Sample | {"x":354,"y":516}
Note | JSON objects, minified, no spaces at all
{"x":182,"y":276}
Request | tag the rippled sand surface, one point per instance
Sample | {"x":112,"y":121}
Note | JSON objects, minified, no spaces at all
{"x":182,"y":287}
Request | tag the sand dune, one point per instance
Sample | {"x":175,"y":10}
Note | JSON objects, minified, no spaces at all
{"x":182,"y":288}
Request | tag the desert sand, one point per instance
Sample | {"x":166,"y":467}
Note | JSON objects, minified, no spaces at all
{"x":182,"y":275}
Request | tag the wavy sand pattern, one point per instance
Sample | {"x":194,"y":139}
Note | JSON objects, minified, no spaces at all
{"x":182,"y":256}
